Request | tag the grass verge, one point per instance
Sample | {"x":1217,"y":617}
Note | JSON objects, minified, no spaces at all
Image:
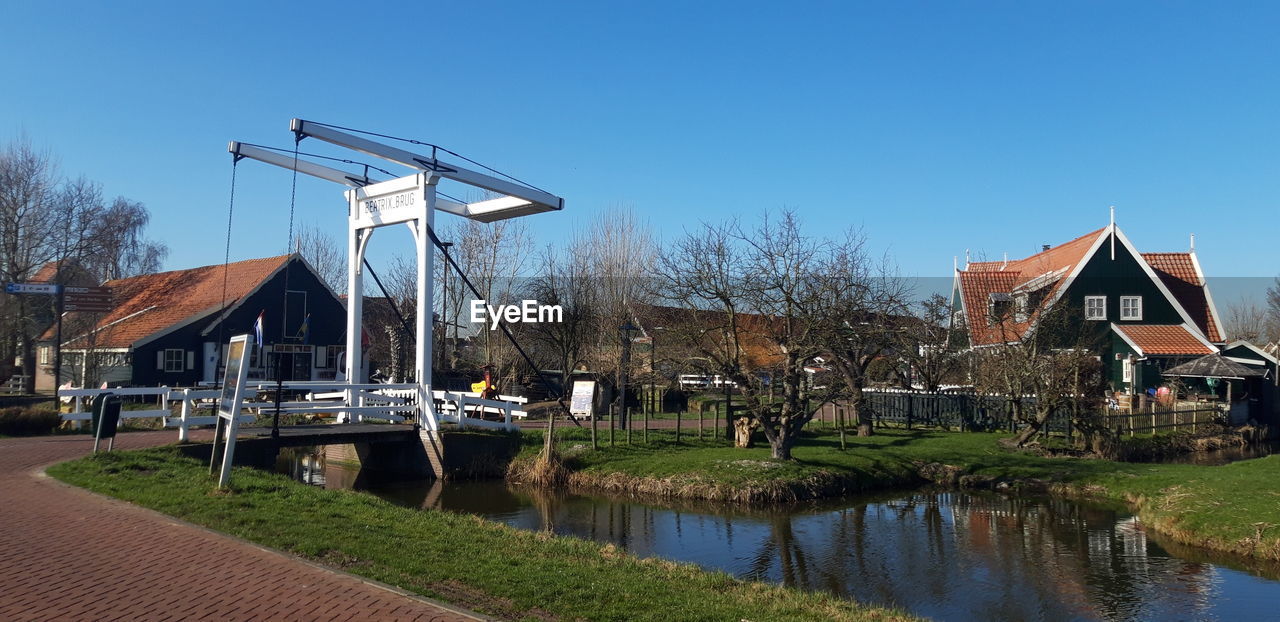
{"x":1234,"y":508}
{"x":461,"y":559}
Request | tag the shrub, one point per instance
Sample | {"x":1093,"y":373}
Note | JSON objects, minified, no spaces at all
{"x":20,"y":421}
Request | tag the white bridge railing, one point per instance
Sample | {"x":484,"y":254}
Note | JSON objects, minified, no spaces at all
{"x":349,"y":402}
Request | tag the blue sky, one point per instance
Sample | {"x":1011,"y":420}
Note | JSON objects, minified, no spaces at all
{"x":935,"y":126}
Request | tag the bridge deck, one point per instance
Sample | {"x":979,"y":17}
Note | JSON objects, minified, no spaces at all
{"x":336,"y":434}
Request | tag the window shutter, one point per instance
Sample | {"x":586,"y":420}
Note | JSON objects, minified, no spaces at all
{"x":191,"y":359}
{"x":160,"y":360}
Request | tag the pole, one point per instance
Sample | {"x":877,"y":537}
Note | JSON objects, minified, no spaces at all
{"x":444,"y":306}
{"x":728,"y":411}
{"x":595,"y":444}
{"x":57,"y":345}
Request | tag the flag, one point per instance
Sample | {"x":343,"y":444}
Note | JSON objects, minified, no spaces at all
{"x":257,"y":329}
{"x":304,"y":331}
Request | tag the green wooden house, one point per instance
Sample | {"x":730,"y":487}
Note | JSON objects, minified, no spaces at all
{"x":1141,"y":312}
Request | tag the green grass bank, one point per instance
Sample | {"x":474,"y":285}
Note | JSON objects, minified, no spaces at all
{"x":1233,"y":508}
{"x":485,"y":566}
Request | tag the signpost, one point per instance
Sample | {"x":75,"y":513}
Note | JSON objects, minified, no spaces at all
{"x":69,"y":298}
{"x":229,"y":402}
{"x":32,"y":288}
{"x":92,"y":299}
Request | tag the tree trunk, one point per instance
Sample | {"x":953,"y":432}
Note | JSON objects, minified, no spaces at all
{"x":858,"y":402}
{"x":1033,"y":427}
{"x":743,"y":428}
{"x":781,"y":446}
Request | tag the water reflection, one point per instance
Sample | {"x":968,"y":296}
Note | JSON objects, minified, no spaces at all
{"x":944,"y":555}
{"x":1226,"y":455}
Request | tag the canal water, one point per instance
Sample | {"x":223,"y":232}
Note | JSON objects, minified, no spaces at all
{"x":943,"y":555}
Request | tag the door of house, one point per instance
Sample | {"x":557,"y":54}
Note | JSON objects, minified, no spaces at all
{"x":301,"y":369}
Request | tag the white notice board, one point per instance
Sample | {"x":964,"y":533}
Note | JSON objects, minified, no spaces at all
{"x":232,"y":396}
{"x":584,"y":393}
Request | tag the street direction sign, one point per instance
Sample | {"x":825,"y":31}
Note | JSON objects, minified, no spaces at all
{"x":98,"y":308}
{"x":92,"y":291}
{"x":31,"y":288}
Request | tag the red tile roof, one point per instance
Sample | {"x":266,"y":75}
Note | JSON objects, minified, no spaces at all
{"x":1156,"y":339}
{"x":1178,"y":273}
{"x":151,"y":303}
{"x":981,"y":279}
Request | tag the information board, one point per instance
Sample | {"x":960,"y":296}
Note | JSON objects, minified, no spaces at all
{"x":581,"y":404}
{"x":229,"y":402}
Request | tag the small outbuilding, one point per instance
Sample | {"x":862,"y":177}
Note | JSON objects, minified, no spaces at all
{"x":1248,"y":390}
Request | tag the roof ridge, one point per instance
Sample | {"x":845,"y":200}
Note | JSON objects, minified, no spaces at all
{"x":217,"y":265}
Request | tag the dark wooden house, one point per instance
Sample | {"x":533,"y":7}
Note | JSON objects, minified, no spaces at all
{"x":170,"y":328}
{"x":1142,"y":312}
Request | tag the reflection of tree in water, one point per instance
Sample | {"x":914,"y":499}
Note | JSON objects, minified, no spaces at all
{"x":953,"y":555}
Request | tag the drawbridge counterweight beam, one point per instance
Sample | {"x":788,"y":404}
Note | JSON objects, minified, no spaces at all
{"x":519,"y":200}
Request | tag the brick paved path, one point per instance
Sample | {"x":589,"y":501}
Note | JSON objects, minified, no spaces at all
{"x":66,"y":554}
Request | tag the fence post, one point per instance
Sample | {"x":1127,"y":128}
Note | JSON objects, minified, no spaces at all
{"x":840,"y":416}
{"x":462,"y":411}
{"x":679,"y":411}
{"x":186,"y":412}
{"x":699,"y":421}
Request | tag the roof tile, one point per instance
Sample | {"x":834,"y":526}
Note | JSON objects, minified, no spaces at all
{"x":1178,"y":273}
{"x":147,"y":304}
{"x":1160,"y":339}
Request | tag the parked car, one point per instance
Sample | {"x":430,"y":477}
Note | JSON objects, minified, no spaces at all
{"x":694,"y":381}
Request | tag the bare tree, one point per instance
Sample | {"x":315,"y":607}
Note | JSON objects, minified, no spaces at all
{"x":121,"y":250}
{"x":45,"y":220}
{"x":1246,"y":320}
{"x":1042,"y":369}
{"x":751,"y":302}
{"x":325,"y":254}
{"x":925,"y":343}
{"x":495,"y":257}
{"x":865,"y":320}
{"x":565,"y":279}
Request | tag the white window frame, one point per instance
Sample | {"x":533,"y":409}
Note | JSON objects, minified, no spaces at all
{"x":1089,"y":308}
{"x":44,"y":355}
{"x":1124,"y":315}
{"x":175,"y":363}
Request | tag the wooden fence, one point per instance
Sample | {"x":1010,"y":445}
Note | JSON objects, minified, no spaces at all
{"x":989,"y":413}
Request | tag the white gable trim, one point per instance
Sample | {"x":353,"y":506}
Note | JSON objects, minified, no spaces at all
{"x":1255,"y":349}
{"x":1195,"y":332}
{"x":1071,"y":278}
{"x":106,"y":326}
{"x":259,"y":286}
{"x":226,"y":310}
{"x":1132,"y":344}
{"x":1204,"y":285}
{"x":1168,"y":295}
{"x":957,"y":289}
{"x":189,"y":320}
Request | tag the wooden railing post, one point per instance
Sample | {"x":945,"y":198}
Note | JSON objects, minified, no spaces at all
{"x":183,"y":434}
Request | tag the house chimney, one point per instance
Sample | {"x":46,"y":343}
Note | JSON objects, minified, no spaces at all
{"x":1044,"y":247}
{"x":1193,"y":243}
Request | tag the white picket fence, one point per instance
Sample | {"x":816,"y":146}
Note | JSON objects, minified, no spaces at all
{"x":351,"y":403}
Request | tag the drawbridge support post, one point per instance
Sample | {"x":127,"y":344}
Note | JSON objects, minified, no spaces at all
{"x":410,"y":200}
